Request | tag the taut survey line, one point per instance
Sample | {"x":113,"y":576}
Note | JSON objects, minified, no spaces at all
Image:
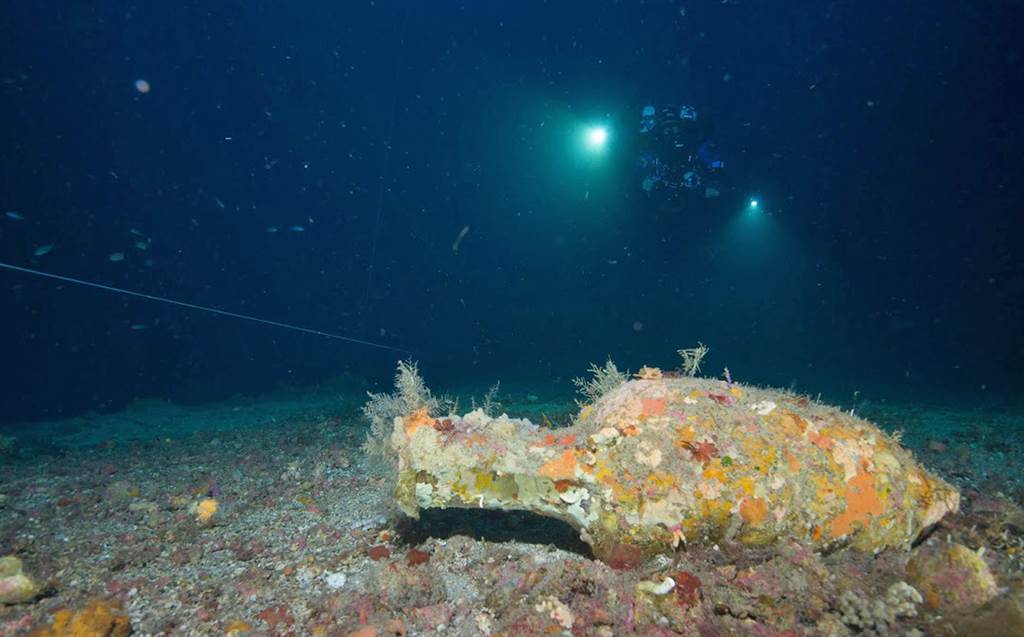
{"x":192,"y":306}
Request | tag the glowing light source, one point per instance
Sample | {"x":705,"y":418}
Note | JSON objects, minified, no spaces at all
{"x":753,"y":203}
{"x":597,"y":136}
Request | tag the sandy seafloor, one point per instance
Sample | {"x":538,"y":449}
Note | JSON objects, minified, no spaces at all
{"x":305,"y":540}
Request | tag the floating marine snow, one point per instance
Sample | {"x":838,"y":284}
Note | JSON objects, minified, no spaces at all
{"x":658,"y":462}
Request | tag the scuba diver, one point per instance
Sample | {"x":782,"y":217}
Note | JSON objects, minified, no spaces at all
{"x":677,"y":156}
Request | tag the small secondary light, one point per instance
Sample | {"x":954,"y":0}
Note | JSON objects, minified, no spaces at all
{"x":597,"y":136}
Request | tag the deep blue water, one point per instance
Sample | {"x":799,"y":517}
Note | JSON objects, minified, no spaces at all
{"x":882,"y":141}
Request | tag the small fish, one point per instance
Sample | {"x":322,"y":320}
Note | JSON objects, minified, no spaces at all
{"x":138,"y":327}
{"x":142,"y":245}
{"x":296,"y":228}
{"x":41,"y":250}
{"x":136,"y":233}
{"x":273,"y":229}
{"x":219,"y":202}
{"x":117,"y":256}
{"x":14,"y":214}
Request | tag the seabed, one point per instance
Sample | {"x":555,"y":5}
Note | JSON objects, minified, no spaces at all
{"x":263,"y":516}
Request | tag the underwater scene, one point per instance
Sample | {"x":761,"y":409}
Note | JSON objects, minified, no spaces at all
{"x":382,"y":318}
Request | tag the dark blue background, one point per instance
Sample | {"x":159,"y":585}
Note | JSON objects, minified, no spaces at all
{"x":883,"y":140}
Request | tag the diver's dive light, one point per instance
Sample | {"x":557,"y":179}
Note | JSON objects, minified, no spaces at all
{"x":596,"y":137}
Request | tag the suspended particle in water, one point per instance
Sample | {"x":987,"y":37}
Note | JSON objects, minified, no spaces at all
{"x":142,"y":86}
{"x":638,"y":326}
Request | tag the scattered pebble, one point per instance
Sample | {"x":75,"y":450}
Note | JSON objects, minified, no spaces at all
{"x":335,"y":580}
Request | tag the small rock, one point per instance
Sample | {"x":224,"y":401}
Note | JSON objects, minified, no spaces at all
{"x":415,"y":557}
{"x":120,"y":492}
{"x":688,"y":588}
{"x":951,"y":577}
{"x":275,"y":616}
{"x":378,"y":552}
{"x":16,"y":586}
{"x":340,"y":458}
{"x":433,"y":616}
{"x":245,"y":551}
{"x":187,"y":554}
{"x":335,"y":580}
{"x":624,"y":557}
{"x":557,"y":610}
{"x":143,"y":505}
